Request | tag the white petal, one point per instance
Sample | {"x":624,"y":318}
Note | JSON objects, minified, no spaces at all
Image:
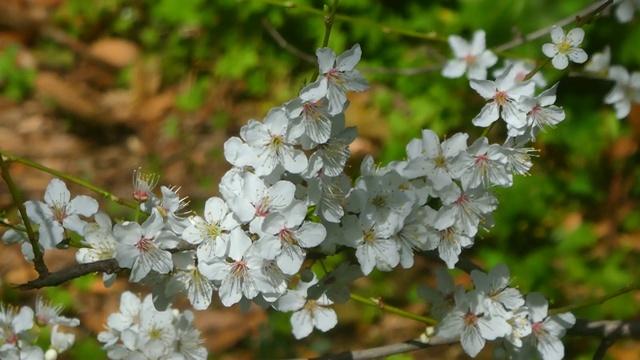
{"x":302,"y":324}
{"x":575,"y":36}
{"x":324,"y":318}
{"x":578,"y":55}
{"x":57,"y":193}
{"x":487,"y":116}
{"x":486,"y":88}
{"x":550,"y":50}
{"x":460,"y":46}
{"x":557,"y":34}
{"x":560,"y":61}
{"x":348,"y":59}
{"x":454,"y":68}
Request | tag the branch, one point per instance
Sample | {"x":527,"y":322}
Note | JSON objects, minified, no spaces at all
{"x":108,"y":266}
{"x":387,"y":350}
{"x":285,"y":44}
{"x":608,"y":330}
{"x":582,"y":17}
{"x":104,"y":193}
{"x":38,"y":260}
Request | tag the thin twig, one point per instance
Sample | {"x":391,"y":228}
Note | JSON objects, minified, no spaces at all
{"x":285,"y":44}
{"x":597,"y":301}
{"x":592,"y":9}
{"x":611,"y":330}
{"x":104,"y":193}
{"x":601,"y":351}
{"x":38,"y":260}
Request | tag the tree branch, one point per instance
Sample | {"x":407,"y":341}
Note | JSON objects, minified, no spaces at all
{"x":587,"y":12}
{"x":608,"y":330}
{"x":286,"y":45}
{"x":108,"y":266}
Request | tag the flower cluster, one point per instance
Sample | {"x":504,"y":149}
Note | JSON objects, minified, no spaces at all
{"x":139,"y":331}
{"x":287,"y":196}
{"x":19,"y":329}
{"x":494,"y":311}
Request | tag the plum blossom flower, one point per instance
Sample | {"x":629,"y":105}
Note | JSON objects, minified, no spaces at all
{"x":58,"y":212}
{"x":143,"y":185}
{"x":428,"y":157}
{"x":470,"y":321}
{"x":625,"y":9}
{"x":240,"y":277}
{"x":599,"y":62}
{"x":498,"y":298}
{"x":14,"y":325}
{"x":625,"y":91}
{"x":373,"y":243}
{"x":308,"y":313}
{"x":285,"y":236}
{"x":217,"y":234}
{"x":196,"y":286}
{"x":272,"y":144}
{"x":449,"y":242}
{"x":543,"y":113}
{"x":382,"y":198}
{"x":139,"y":331}
{"x":13,"y":236}
{"x":331,"y":157}
{"x":465,"y":209}
{"x":565,"y":47}
{"x":339,"y":76}
{"x":522,"y":69}
{"x":141,"y":248}
{"x":47,"y":313}
{"x":546,"y":331}
{"x":442,"y":298}
{"x":482,"y":165}
{"x":309,"y":114}
{"x":101,"y":244}
{"x":255,"y":200}
{"x":472,"y":58}
{"x":504,"y":97}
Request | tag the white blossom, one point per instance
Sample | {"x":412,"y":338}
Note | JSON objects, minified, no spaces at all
{"x":470,"y":57}
{"x":59,"y":212}
{"x":565,"y":47}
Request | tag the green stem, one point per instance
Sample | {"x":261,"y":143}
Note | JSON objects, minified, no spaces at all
{"x":328,"y":23}
{"x":104,"y":193}
{"x":536,"y":70}
{"x":380,"y":305}
{"x":597,"y":301}
{"x":38,"y":260}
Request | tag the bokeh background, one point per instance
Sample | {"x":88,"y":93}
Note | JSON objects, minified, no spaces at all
{"x":98,"y":88}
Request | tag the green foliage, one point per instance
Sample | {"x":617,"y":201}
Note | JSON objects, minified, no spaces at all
{"x":15,"y":81}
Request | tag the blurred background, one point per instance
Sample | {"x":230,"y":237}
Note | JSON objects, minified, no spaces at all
{"x":98,"y":88}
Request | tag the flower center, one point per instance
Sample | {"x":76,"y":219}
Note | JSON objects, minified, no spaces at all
{"x":501,"y":97}
{"x":144,"y":244}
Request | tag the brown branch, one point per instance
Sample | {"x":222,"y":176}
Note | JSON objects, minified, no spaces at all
{"x":585,"y":13}
{"x":108,"y":266}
